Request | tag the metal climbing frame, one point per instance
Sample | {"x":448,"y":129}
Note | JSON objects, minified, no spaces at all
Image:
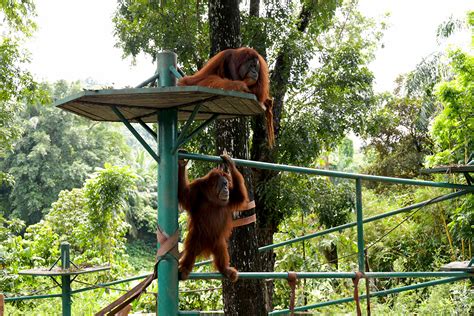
{"x":171,"y":104}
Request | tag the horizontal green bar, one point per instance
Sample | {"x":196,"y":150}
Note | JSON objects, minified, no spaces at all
{"x":99,"y":285}
{"x":103,"y":285}
{"x":31,"y":297}
{"x":372,"y":294}
{"x":367,"y":220}
{"x":328,"y":173}
{"x":336,"y":275}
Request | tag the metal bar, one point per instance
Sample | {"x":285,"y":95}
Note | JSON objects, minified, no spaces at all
{"x":175,"y":72}
{"x":148,"y":81}
{"x":185,"y":128}
{"x":167,"y":270}
{"x":135,"y":133}
{"x":372,"y":294}
{"x":329,"y":173}
{"x":148,"y":128}
{"x":99,"y":285}
{"x":31,"y":297}
{"x":352,"y":224}
{"x":65,"y":280}
{"x":55,"y":263}
{"x":360,"y":226}
{"x":335,"y":275}
{"x":181,"y":72}
{"x":198,"y":129}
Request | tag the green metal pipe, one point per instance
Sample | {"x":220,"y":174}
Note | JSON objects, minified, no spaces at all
{"x":336,"y":275}
{"x":65,"y":280}
{"x":167,"y":302}
{"x":148,"y":129}
{"x":103,"y":285}
{"x":166,"y":59}
{"x":148,"y":81}
{"x":372,"y":294}
{"x":198,"y":129}
{"x":328,"y":173}
{"x":135,"y":133}
{"x":367,"y":220}
{"x":360,"y":226}
{"x":352,"y":224}
{"x":186,"y":126}
{"x":31,"y":297}
{"x":175,"y":72}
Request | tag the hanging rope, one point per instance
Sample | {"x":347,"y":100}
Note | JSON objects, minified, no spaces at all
{"x":168,"y":244}
{"x":355,"y":280}
{"x":292,"y":277}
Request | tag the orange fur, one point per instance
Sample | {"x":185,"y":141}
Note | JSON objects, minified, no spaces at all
{"x":215,"y":74}
{"x":209,"y":221}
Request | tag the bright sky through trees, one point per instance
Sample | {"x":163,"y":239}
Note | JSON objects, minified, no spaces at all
{"x":75,"y":40}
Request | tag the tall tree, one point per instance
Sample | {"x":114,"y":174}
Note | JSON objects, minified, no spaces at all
{"x":232,"y":135}
{"x":304,"y":47}
{"x":57,"y":151}
{"x":16,"y":84}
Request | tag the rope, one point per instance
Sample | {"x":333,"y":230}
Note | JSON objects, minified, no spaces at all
{"x":292,"y":276}
{"x":168,"y":244}
{"x":355,"y":280}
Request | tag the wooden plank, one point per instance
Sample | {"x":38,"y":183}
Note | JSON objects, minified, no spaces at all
{"x":145,"y":102}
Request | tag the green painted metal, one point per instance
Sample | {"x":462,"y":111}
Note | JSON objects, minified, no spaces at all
{"x":148,"y":81}
{"x":175,"y":72}
{"x":31,"y":297}
{"x":372,"y":294}
{"x":328,"y":173}
{"x":65,"y":280}
{"x":166,"y":60}
{"x":136,"y":134}
{"x":367,"y":220}
{"x":167,"y":303}
{"x":360,"y":226}
{"x":336,"y":275}
{"x":198,"y":129}
{"x":148,"y":129}
{"x":186,"y":126}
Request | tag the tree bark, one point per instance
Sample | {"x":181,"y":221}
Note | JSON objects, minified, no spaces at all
{"x":244,"y":297}
{"x":268,"y":218}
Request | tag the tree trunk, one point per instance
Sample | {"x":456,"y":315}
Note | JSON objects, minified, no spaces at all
{"x":268,"y":218}
{"x":244,"y":297}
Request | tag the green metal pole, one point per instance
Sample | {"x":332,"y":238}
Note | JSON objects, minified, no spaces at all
{"x":328,"y":173}
{"x":167,"y":302}
{"x":360,"y":225}
{"x":372,"y":294}
{"x":65,"y":280}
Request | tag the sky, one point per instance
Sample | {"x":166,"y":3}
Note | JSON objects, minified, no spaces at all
{"x":75,"y":40}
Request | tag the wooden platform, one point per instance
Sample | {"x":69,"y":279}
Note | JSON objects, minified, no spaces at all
{"x":458,"y":266}
{"x":144,"y":103}
{"x":58,"y":271}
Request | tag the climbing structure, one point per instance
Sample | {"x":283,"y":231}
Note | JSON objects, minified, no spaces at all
{"x":166,"y":104}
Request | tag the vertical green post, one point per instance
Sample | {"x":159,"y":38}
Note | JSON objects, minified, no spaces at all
{"x":360,"y":225}
{"x":167,"y":190}
{"x":65,"y":280}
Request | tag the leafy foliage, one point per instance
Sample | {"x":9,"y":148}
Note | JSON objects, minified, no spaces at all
{"x":91,"y":219}
{"x":57,"y":151}
{"x":453,"y":128}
